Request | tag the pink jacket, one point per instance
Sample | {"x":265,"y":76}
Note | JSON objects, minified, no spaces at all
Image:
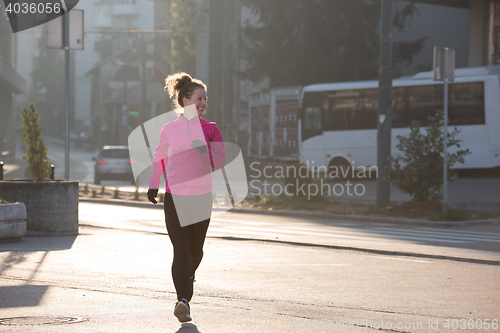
{"x":188,"y":149}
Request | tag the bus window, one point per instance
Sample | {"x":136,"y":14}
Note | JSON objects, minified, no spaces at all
{"x":424,"y":102}
{"x":466,"y":104}
{"x":400,"y":101}
{"x":312,"y":118}
{"x":339,"y":116}
{"x":313,"y":106}
{"x":366,"y":114}
{"x":352,"y":110}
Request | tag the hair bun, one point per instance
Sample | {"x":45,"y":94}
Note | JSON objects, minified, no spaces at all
{"x":182,"y":80}
{"x":182,"y":85}
{"x":175,"y":82}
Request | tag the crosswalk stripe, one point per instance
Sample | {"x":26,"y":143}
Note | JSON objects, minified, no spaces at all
{"x":419,"y":234}
{"x":391,"y":231}
{"x":333,"y":235}
{"x":479,"y":233}
{"x":214,"y":232}
{"x":344,"y":224}
{"x":239,"y":221}
{"x":437,"y":235}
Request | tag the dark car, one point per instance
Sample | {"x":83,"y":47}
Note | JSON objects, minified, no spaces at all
{"x":113,"y":163}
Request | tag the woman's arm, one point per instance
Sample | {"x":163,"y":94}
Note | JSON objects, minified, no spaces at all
{"x":216,"y":149}
{"x":160,"y":160}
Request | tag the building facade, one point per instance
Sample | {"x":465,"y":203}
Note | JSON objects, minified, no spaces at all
{"x":127,"y":80}
{"x":11,"y":84}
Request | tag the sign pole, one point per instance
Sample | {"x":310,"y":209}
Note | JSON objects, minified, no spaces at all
{"x":61,"y":35}
{"x":444,"y":70}
{"x":66,"y":92}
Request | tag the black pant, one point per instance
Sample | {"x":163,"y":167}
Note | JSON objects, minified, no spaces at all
{"x":188,"y":247}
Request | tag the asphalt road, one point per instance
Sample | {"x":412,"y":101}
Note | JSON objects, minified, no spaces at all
{"x":115,"y":274}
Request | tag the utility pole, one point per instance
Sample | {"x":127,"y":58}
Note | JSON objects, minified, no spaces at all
{"x":384,"y":104}
{"x":66,"y":90}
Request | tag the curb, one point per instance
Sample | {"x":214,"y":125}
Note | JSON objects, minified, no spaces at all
{"x":317,"y":215}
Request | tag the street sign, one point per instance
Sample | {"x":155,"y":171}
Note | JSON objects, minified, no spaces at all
{"x":55,"y":31}
{"x":444,"y":64}
{"x":76,"y":29}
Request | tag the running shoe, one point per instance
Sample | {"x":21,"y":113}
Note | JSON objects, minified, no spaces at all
{"x":182,"y":311}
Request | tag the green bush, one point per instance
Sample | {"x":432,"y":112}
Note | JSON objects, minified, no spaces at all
{"x":419,"y":170}
{"x":36,"y":150}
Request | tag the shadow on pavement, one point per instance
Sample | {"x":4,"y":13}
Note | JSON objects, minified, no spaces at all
{"x":21,"y":296}
{"x":188,"y":328}
{"x":26,"y":295}
{"x":38,"y":244}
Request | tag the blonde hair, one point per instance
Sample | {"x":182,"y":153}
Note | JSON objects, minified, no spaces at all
{"x":180,"y":85}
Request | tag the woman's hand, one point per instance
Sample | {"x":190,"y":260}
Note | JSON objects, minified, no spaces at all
{"x":152,"y":193}
{"x":200,"y":145}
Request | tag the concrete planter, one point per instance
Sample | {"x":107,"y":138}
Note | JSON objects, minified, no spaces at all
{"x":12,"y":221}
{"x":51,"y":207}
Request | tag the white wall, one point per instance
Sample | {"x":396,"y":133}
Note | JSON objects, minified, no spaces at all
{"x":27,"y":51}
{"x":89,"y":57}
{"x":84,"y":61}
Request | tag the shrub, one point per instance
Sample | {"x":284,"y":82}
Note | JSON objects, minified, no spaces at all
{"x":419,"y":170}
{"x":36,"y":150}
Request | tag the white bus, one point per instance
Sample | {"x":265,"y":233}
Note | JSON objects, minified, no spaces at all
{"x":338,"y":121}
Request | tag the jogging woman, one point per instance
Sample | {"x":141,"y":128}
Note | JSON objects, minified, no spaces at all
{"x":189,"y":148}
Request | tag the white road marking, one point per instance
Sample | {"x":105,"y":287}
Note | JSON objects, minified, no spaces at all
{"x":404,"y":259}
{"x":439,"y":234}
{"x":348,"y":235}
{"x":240,"y":221}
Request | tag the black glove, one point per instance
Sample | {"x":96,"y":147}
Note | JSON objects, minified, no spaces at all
{"x":200,"y":145}
{"x":152,"y":193}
